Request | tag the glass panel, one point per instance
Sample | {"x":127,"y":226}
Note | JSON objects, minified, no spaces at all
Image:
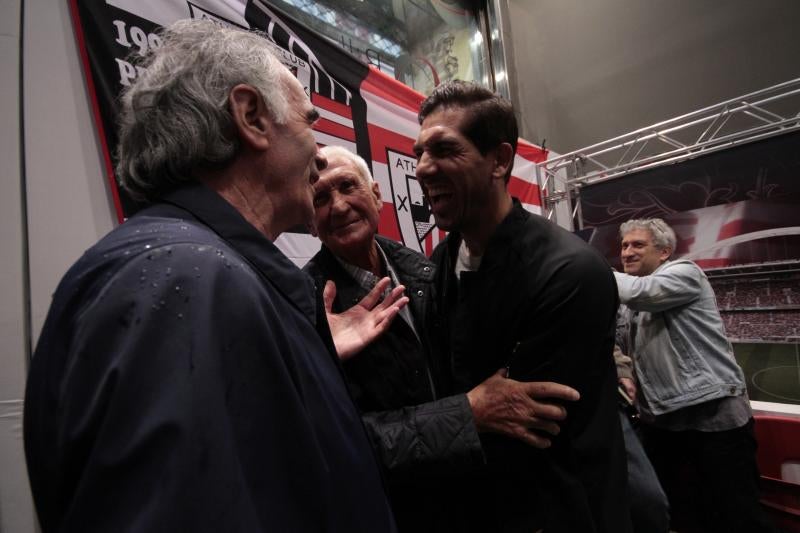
{"x":419,"y":42}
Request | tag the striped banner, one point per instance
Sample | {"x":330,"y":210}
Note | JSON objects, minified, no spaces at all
{"x":361,"y":108}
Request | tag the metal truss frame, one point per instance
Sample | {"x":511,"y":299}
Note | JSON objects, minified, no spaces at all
{"x":758,"y":115}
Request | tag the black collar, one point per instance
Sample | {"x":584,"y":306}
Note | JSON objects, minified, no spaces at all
{"x":502,"y":237}
{"x":508,"y":230}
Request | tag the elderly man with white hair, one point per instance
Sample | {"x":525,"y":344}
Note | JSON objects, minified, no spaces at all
{"x":691,"y":391}
{"x":186,"y":377}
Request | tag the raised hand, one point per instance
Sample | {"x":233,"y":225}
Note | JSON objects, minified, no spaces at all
{"x":355,"y":328}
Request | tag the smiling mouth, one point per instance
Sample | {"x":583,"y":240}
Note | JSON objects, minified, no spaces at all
{"x":346,"y":225}
{"x":438,"y":198}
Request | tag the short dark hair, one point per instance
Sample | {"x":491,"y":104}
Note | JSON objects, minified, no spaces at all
{"x":491,"y":120}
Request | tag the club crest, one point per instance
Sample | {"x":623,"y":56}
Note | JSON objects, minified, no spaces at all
{"x":414,"y":217}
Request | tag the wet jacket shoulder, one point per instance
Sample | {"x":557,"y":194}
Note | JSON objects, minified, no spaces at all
{"x":167,"y":365}
{"x":543,"y":303}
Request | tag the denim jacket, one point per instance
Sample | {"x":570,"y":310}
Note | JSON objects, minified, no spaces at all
{"x":681,"y":353}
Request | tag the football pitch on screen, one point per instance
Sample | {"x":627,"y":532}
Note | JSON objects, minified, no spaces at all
{"x":772,"y":371}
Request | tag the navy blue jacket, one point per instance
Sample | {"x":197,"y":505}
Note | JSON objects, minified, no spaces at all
{"x":185,"y":380}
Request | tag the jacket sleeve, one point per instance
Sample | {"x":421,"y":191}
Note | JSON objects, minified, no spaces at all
{"x":426,"y":439}
{"x":672,"y":285}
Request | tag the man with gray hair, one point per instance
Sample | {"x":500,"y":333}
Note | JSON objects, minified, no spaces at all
{"x":186,"y":378}
{"x":691,"y":391}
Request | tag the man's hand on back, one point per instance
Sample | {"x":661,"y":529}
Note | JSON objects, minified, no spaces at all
{"x":527,"y":411}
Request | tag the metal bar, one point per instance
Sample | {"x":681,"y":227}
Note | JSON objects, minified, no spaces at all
{"x":539,"y":182}
{"x":617,"y":172}
{"x":757,"y":117}
{"x":671,"y":141}
{"x":705,"y":148}
{"x":722,"y":125}
{"x":651,"y":135}
{"x":768,"y":112}
{"x":621,"y":159}
{"x":577,"y":213}
{"x":710,"y":126}
{"x":596,"y":162}
{"x":592,"y":148}
{"x":701,"y":146}
{"x":640,"y":150}
{"x":546,"y":179}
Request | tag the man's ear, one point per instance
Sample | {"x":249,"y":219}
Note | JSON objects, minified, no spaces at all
{"x":250,"y":117}
{"x":504,"y":160}
{"x":664,"y":254}
{"x":376,"y":190}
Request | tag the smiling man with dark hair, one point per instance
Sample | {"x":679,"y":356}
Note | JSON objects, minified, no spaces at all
{"x":519,"y":292}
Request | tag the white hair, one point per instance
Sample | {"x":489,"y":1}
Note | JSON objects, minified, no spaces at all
{"x":357,"y":160}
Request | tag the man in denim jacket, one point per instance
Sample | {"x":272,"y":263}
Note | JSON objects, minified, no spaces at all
{"x":691,"y":391}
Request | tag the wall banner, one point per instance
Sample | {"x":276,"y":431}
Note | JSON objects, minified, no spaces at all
{"x":733,"y":207}
{"x":361,"y":108}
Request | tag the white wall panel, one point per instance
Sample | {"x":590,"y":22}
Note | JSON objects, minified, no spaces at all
{"x":16,"y":508}
{"x":69,"y":203}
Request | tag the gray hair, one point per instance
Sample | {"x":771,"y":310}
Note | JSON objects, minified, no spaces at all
{"x":663,"y":235}
{"x":175,"y":118}
{"x":357,"y":160}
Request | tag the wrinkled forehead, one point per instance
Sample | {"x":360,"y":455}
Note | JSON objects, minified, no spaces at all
{"x":337,"y":171}
{"x":341,"y":167}
{"x":446,"y":118}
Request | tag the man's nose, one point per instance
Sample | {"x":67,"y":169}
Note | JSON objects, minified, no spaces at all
{"x":320,"y":161}
{"x":338,"y":203}
{"x":425,"y":166}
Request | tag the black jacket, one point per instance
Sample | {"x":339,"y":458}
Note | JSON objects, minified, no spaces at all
{"x":427,"y":441}
{"x":542,"y":303}
{"x":185,"y":380}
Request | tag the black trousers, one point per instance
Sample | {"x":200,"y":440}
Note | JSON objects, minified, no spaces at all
{"x":710,"y":478}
